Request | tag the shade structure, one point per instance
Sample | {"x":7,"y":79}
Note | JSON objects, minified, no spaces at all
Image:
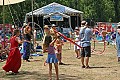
{"x":52,"y":8}
{"x":8,"y":2}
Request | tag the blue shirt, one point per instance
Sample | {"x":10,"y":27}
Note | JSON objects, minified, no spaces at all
{"x":85,"y":36}
{"x":118,"y":43}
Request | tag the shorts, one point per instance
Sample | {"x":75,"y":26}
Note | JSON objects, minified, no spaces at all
{"x":86,"y":51}
{"x":76,"y":47}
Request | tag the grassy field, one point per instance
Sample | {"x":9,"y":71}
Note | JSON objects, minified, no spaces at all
{"x":103,"y":66}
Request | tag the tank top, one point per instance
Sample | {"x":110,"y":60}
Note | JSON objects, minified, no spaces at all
{"x":27,"y":37}
{"x":51,"y":50}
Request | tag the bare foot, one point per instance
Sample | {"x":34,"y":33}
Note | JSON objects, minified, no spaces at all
{"x":57,"y":79}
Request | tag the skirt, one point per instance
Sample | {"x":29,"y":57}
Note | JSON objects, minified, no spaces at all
{"x":52,"y":58}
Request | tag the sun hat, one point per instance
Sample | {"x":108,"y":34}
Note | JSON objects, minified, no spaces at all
{"x":83,"y":22}
{"x":46,"y":26}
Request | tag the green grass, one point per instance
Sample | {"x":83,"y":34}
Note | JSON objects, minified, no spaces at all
{"x":103,"y":66}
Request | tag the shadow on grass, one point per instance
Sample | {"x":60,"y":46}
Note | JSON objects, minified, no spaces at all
{"x":98,"y":67}
{"x":35,"y":75}
{"x":65,"y":64}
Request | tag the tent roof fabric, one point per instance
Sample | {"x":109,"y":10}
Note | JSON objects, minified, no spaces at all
{"x":8,"y":2}
{"x":41,"y":11}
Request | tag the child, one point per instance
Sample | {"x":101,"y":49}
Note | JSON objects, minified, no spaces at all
{"x":13,"y":62}
{"x":51,"y":56}
{"x":59,"y":44}
{"x":77,"y":41}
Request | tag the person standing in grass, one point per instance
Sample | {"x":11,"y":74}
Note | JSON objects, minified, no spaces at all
{"x":52,"y":57}
{"x":13,"y":62}
{"x":77,"y":41}
{"x":59,"y":44}
{"x":118,"y":42}
{"x":48,"y":46}
{"x":27,"y":43}
{"x":85,"y":36}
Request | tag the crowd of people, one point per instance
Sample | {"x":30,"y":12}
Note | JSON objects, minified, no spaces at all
{"x":52,"y":44}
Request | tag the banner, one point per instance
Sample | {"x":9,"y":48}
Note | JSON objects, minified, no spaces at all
{"x":54,"y":9}
{"x":56,"y":17}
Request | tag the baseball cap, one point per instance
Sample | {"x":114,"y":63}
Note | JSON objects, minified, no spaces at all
{"x":77,"y":28}
{"x":53,"y":25}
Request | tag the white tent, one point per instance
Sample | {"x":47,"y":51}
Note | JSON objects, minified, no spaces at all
{"x":54,"y":7}
{"x":66,"y":16}
{"x":7,"y":2}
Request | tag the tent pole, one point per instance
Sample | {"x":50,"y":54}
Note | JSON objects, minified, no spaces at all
{"x":70,"y":29}
{"x":43,"y":21}
{"x":70,"y":23}
{"x":32,"y":22}
{"x":4,"y":22}
{"x":77,"y":21}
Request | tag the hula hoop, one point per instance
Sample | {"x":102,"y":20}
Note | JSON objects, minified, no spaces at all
{"x":101,"y":52}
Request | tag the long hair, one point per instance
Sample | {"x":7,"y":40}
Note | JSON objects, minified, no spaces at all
{"x":48,"y":40}
{"x":16,"y":31}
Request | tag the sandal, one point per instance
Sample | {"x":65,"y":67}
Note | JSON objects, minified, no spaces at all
{"x":83,"y":66}
{"x":78,"y":57}
{"x":87,"y":67}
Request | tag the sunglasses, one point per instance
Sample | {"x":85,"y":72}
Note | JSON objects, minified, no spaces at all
{"x":46,"y":28}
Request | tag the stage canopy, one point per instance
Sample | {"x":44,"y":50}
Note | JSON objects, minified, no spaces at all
{"x":55,"y":13}
{"x":54,"y":7}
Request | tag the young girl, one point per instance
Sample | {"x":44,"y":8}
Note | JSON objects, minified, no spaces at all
{"x":13,"y":62}
{"x":51,"y":56}
{"x":59,"y":44}
{"x":77,"y":41}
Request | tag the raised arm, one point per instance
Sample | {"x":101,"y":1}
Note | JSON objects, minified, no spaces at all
{"x":52,"y":43}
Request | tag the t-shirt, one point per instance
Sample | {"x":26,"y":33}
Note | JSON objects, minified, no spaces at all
{"x":85,"y":36}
